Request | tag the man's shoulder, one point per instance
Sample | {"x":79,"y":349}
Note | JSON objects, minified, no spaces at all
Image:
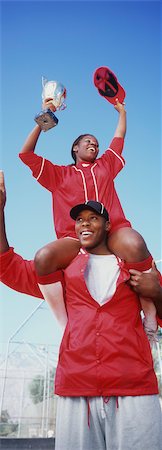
{"x":79,"y":259}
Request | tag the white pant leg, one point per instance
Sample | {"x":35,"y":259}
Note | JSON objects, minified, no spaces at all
{"x":122,"y":423}
{"x":72,"y":429}
{"x":136,"y":424}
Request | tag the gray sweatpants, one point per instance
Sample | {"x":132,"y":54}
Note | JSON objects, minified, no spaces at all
{"x":114,"y":423}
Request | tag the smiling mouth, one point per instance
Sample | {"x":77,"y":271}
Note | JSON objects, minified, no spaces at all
{"x":86,"y":233}
{"x":92,"y":149}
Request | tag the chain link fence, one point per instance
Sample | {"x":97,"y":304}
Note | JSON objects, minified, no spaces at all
{"x":28,"y":403}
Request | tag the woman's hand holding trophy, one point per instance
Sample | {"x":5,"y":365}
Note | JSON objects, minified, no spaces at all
{"x":53,"y":96}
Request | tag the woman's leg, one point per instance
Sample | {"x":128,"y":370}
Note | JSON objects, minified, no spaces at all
{"x":56,"y":255}
{"x":130,"y":246}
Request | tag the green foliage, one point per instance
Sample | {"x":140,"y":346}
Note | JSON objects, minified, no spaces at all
{"x":7,"y":426}
{"x":36,"y":389}
{"x":41,"y":387}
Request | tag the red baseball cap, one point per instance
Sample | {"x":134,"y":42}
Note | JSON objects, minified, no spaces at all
{"x":108,"y":85}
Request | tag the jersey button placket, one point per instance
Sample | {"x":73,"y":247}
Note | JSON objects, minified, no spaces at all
{"x":97,"y":338}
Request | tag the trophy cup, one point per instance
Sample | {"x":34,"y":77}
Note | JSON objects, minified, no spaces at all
{"x":55,"y":92}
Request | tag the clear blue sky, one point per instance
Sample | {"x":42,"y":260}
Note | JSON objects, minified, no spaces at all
{"x":67,"y":41}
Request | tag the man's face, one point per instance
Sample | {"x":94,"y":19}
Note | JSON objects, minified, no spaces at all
{"x":91,"y":230}
{"x":87,"y":149}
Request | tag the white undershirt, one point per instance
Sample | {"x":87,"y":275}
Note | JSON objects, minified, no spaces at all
{"x":101,"y":275}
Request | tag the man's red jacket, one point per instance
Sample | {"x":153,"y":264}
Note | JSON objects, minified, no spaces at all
{"x":104,"y":350}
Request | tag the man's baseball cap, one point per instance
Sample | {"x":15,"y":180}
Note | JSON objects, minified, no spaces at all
{"x":108,"y":85}
{"x":94,"y":206}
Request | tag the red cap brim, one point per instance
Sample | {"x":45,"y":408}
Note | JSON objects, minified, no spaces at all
{"x":108,"y":85}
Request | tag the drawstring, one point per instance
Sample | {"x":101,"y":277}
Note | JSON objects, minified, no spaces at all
{"x":103,"y":414}
{"x":104,"y":400}
{"x":88,"y":412}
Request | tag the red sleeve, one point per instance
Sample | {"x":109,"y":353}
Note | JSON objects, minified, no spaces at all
{"x":18,"y":274}
{"x":159,"y":321}
{"x":112,"y":156}
{"x":142,"y":266}
{"x":49,"y":175}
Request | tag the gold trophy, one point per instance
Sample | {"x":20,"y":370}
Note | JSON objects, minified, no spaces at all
{"x":54,"y":92}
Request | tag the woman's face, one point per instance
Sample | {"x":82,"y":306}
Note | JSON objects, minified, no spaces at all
{"x":87,"y":149}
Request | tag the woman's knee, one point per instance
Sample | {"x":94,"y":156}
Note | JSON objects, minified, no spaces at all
{"x":139,"y":250}
{"x":56,"y":255}
{"x":44,"y":261}
{"x":128,"y":244}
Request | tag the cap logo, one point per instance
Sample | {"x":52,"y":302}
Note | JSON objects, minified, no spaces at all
{"x":102,"y":208}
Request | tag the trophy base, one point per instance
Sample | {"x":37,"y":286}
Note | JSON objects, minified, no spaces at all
{"x":46,"y":119}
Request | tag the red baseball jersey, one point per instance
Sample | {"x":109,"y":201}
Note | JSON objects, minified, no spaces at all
{"x":75,"y":184}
